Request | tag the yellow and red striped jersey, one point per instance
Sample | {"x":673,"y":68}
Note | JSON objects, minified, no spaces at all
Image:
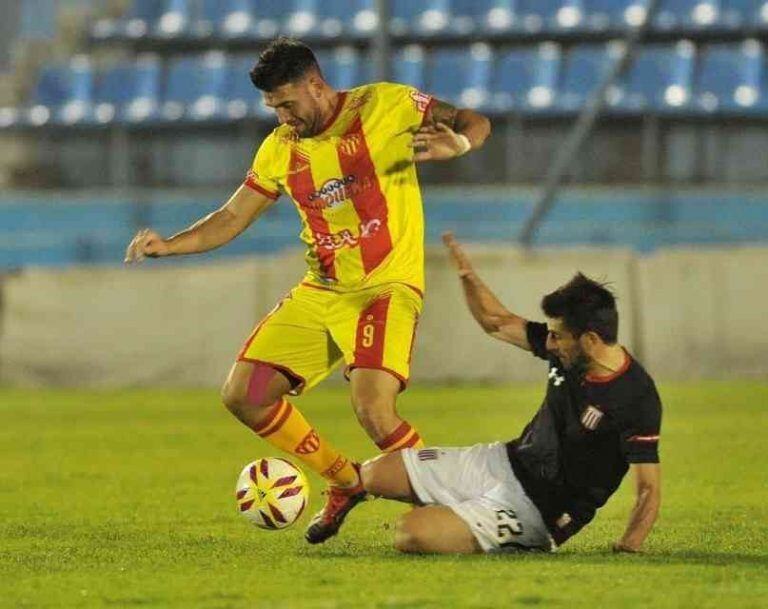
{"x":355,"y":188}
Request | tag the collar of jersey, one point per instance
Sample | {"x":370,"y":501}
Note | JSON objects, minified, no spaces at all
{"x":590,"y":378}
{"x":336,"y":112}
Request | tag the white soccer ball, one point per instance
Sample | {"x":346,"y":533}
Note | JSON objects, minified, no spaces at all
{"x":272,"y":493}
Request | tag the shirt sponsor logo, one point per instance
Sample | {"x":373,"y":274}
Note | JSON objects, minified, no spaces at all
{"x":336,"y":191}
{"x":556,"y":379}
{"x":421,"y":100}
{"x":591,"y":417}
{"x":346,"y":238}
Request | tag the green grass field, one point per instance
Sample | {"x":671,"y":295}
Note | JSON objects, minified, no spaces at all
{"x":125,"y":499}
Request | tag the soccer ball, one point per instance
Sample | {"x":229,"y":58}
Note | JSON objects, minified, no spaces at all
{"x":272,"y":493}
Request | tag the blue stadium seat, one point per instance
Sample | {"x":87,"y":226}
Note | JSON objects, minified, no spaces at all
{"x":240,"y":98}
{"x":613,"y":16}
{"x":63,"y":95}
{"x":584,"y":67}
{"x":138,"y":22}
{"x":174,"y":20}
{"x":483,"y":16}
{"x":408,"y":66}
{"x":688,"y":15}
{"x":425,"y":18}
{"x":550,"y":16}
{"x":194,"y":88}
{"x":657,"y":81}
{"x":129,"y":92}
{"x":232,"y":19}
{"x":356,"y":18}
{"x":525,"y":79}
{"x":461,"y":76}
{"x":342,"y":67}
{"x":731,"y":79}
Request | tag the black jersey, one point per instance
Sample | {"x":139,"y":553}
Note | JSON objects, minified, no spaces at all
{"x":572,"y":456}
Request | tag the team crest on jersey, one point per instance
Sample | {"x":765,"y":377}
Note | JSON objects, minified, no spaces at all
{"x":591,"y":417}
{"x":421,"y":100}
{"x":349,"y":144}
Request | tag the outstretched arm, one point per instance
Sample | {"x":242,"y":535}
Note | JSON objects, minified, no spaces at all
{"x":449,"y":132}
{"x":646,"y":508}
{"x":485,"y":307}
{"x":210,"y":232}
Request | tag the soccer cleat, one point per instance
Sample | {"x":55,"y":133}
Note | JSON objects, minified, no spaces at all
{"x":327,"y":522}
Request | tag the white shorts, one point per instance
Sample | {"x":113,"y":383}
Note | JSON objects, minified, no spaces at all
{"x":478,"y":484}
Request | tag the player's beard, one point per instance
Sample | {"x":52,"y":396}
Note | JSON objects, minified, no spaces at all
{"x":578,"y":363}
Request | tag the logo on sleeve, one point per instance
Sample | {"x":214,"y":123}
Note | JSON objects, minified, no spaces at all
{"x":591,"y":417}
{"x":421,"y":100}
{"x":557,"y":380}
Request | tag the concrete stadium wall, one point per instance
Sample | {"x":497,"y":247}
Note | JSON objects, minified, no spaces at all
{"x":684,"y":314}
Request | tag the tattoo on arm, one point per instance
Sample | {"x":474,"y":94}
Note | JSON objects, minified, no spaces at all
{"x":443,"y":112}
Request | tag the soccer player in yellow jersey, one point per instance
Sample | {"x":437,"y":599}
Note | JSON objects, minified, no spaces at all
{"x":347,"y":160}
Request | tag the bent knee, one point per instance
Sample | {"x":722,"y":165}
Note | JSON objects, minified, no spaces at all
{"x":408,"y":536}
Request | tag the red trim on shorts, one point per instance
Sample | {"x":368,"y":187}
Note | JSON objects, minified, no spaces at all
{"x":375,"y":241}
{"x":250,"y":182}
{"x":590,"y":378}
{"x":403,"y":380}
{"x":374,"y":316}
{"x":301,"y":185}
{"x":300,"y":381}
{"x":413,"y":339}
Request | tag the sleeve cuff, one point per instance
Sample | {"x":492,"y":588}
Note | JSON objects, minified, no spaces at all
{"x":253,"y":185}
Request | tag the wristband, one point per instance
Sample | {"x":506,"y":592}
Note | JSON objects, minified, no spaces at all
{"x":466,"y":145}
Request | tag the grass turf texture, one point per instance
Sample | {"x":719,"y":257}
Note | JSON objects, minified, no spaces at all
{"x":123,"y":499}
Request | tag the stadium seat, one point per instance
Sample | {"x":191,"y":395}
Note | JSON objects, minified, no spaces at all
{"x":234,"y":19}
{"x":461,"y":76}
{"x":129,"y":92}
{"x":613,"y":16}
{"x":482,"y":16}
{"x":356,"y":18}
{"x":584,"y":68}
{"x":425,"y":18}
{"x":657,"y":81}
{"x":240,"y":98}
{"x":342,"y":67}
{"x":138,"y":22}
{"x":550,"y":16}
{"x":174,"y":20}
{"x":731,"y":79}
{"x":63,"y":95}
{"x":524,"y":79}
{"x":408,"y":66}
{"x":194,"y":88}
{"x":688,"y":16}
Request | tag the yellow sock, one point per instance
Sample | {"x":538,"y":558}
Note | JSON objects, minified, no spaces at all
{"x":287,"y":429}
{"x":404,"y":436}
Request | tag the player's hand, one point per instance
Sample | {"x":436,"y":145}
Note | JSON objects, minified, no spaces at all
{"x":146,"y":243}
{"x":621,"y":548}
{"x":459,"y":257}
{"x":438,"y":143}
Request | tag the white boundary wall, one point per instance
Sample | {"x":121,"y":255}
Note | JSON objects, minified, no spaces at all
{"x":694,"y":313}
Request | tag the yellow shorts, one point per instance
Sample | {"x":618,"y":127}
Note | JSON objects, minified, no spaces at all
{"x":313,"y":328}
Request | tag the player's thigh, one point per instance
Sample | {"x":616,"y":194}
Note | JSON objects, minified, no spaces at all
{"x":435,"y":529}
{"x":293,"y":339}
{"x":376,"y":328}
{"x":385,"y":476}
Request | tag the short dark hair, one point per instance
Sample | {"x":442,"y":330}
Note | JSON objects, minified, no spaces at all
{"x":285,"y":60}
{"x":584,"y":305}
